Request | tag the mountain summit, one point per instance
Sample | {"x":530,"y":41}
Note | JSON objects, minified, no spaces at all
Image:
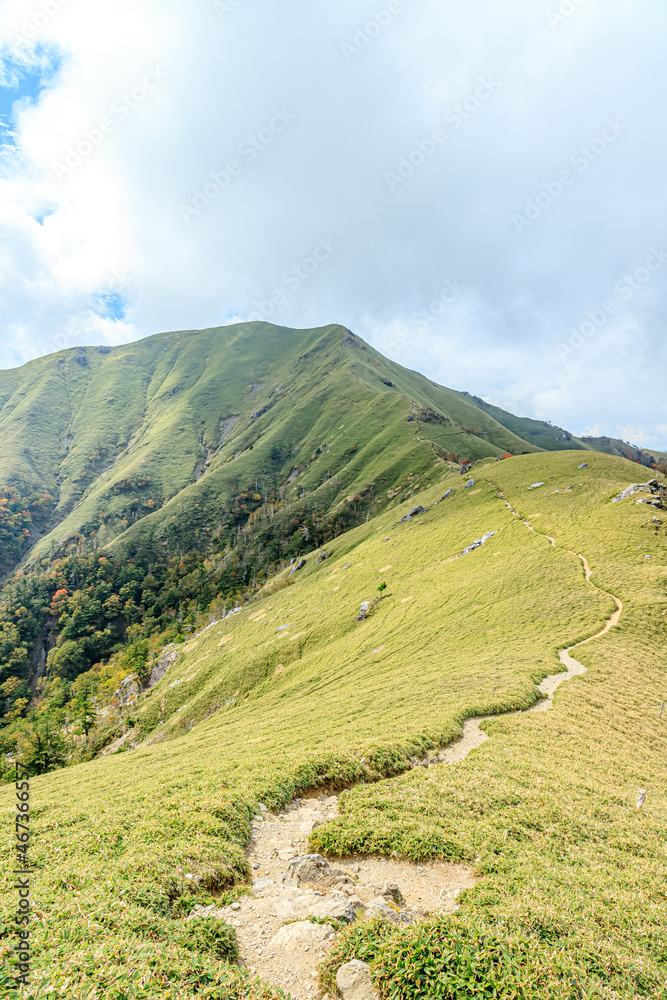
{"x":136,"y":441}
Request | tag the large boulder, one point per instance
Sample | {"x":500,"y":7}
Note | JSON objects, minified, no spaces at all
{"x":168,"y":657}
{"x":354,"y":981}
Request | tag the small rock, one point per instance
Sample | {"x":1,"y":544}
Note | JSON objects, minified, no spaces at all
{"x":377,"y":908}
{"x":302,"y":905}
{"x":301,"y":936}
{"x":342,"y":881}
{"x":236,"y":906}
{"x":390,"y":891}
{"x":354,"y":981}
{"x":469,"y":485}
{"x":413,"y":513}
{"x":315,"y":871}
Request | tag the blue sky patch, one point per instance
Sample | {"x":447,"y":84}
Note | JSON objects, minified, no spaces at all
{"x":43,"y":214}
{"x":24,"y":83}
{"x":110,"y":305}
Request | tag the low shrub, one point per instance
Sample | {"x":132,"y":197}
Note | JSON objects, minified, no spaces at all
{"x":212,"y":936}
{"x":445,"y":960}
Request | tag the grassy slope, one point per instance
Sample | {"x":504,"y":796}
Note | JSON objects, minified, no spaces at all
{"x":450,"y":639}
{"x":549,"y":802}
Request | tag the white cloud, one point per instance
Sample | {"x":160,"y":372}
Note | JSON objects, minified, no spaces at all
{"x":116,"y":223}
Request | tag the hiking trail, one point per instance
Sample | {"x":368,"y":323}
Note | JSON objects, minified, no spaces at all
{"x":278,"y":938}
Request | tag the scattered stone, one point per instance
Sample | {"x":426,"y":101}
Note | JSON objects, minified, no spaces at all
{"x":301,"y":564}
{"x":479,"y":542}
{"x":314,"y":871}
{"x":301,"y":935}
{"x":469,"y":485}
{"x":584,"y":465}
{"x":444,"y":496}
{"x":378,"y":908}
{"x":307,"y":904}
{"x":363,"y":614}
{"x":413,"y":513}
{"x":354,"y":981}
{"x":535,"y":486}
{"x":657,"y":498}
{"x":392,"y":893}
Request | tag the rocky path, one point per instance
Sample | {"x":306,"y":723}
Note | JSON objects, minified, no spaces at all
{"x":299,"y":901}
{"x":278,"y":938}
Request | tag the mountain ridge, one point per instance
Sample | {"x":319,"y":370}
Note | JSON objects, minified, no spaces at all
{"x":122,"y":437}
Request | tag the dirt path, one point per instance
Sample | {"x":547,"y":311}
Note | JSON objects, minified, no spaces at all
{"x":278,"y":939}
{"x":283,"y":928}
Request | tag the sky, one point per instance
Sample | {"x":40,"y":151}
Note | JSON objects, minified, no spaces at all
{"x":475,"y":188}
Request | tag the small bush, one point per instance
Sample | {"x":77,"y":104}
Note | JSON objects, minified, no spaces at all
{"x":213,"y":936}
{"x":444,"y":960}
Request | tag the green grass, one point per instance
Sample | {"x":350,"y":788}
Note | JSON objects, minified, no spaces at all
{"x":117,"y":433}
{"x":547,"y":804}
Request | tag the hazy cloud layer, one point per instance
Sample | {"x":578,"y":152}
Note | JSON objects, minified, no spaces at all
{"x":477,"y":189}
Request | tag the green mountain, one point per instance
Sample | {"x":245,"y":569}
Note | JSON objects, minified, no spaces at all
{"x":142,"y":444}
{"x":256,"y":562}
